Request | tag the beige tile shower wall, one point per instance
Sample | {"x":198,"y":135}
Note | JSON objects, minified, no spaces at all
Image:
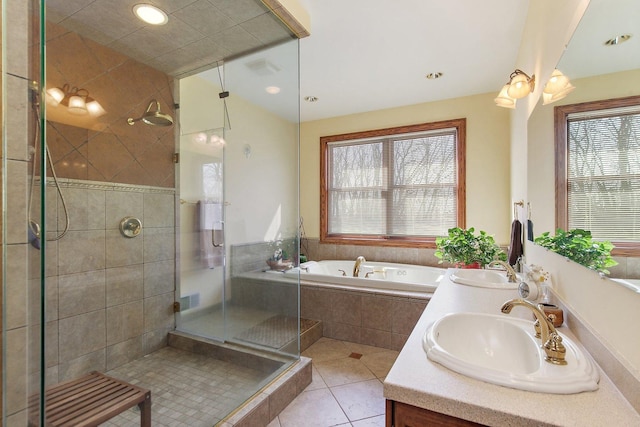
{"x":109,"y":297}
{"x":107,"y":148}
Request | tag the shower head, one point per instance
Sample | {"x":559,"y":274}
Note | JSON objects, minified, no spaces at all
{"x":153,"y":117}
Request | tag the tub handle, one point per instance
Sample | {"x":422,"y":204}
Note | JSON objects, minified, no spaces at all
{"x":384,"y":273}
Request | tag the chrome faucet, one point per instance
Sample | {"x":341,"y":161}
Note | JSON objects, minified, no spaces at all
{"x":551,"y":340}
{"x":511,"y":273}
{"x":356,"y":266}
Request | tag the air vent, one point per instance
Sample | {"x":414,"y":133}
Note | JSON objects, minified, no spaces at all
{"x":189,"y":301}
{"x":262,"y":67}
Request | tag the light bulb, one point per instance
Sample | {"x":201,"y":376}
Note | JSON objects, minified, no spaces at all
{"x":503,"y":99}
{"x":556,"y":83}
{"x":77,"y":105}
{"x":519,"y":86}
{"x":94,"y":108}
{"x":55,"y":95}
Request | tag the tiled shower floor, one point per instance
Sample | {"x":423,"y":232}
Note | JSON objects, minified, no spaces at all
{"x":187,"y":389}
{"x":192,"y":390}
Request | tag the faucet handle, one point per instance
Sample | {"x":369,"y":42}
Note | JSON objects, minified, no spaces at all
{"x":555,"y":350}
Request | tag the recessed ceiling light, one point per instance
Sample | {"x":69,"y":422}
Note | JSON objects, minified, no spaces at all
{"x":433,"y":76}
{"x":311,"y":98}
{"x":617,"y":40}
{"x":150,"y":14}
{"x":272,"y":89}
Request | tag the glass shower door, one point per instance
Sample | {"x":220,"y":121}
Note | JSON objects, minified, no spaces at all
{"x":201,"y":235}
{"x":200,"y":240}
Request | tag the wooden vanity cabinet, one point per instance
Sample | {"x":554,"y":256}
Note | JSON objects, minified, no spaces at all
{"x":400,"y":414}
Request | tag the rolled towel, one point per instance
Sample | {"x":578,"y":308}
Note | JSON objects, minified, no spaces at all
{"x":515,"y":248}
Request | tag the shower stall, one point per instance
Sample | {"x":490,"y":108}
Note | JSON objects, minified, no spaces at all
{"x":149,"y":173}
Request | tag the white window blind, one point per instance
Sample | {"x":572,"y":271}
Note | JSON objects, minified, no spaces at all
{"x":603,"y":173}
{"x":400,"y":185}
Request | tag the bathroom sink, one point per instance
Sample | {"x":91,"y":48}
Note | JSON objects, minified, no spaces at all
{"x":482,"y":278}
{"x":503,"y":350}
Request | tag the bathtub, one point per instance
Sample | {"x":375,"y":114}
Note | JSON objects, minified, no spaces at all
{"x":373,"y":275}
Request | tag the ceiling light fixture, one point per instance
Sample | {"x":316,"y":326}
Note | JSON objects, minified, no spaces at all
{"x":556,"y":88}
{"x":76,"y":100}
{"x":272,"y":90}
{"x":150,"y":14}
{"x":434,"y":76}
{"x":519,"y":86}
{"x":311,"y":98}
{"x":617,"y":40}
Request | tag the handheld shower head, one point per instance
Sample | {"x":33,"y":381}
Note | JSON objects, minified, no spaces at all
{"x":153,"y":117}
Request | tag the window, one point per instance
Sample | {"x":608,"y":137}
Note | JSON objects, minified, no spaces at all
{"x":399,"y":186}
{"x":598,"y":170}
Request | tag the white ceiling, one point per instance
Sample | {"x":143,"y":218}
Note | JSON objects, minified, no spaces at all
{"x":366,"y":55}
{"x":587,"y":55}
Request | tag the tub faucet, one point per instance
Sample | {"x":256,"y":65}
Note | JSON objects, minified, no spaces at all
{"x":551,"y":340}
{"x":356,"y":266}
{"x":511,"y":273}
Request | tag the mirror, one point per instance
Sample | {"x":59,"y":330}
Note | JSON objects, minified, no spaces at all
{"x":599,"y":72}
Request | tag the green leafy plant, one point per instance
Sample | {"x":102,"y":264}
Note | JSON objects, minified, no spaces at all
{"x":579,"y":246}
{"x":464,"y":247}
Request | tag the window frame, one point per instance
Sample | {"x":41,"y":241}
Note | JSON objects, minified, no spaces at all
{"x":397,"y":241}
{"x":561,"y":114}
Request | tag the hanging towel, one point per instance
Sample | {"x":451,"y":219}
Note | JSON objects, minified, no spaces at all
{"x":515,"y":248}
{"x":530,"y":230}
{"x":211,"y":231}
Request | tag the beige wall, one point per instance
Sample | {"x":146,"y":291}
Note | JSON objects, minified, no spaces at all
{"x":261,"y":189}
{"x":488,"y":204}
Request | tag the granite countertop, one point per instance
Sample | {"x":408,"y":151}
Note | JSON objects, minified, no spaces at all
{"x":417,"y":381}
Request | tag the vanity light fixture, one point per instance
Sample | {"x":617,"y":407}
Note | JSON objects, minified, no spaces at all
{"x":556,"y":88}
{"x":519,"y":86}
{"x":150,"y":14}
{"x":76,"y":100}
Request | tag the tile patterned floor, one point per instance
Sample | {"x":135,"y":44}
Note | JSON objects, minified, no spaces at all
{"x":346,"y":389}
{"x":187,"y":389}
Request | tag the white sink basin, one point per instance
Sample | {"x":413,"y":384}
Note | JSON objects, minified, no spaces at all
{"x":482,"y":278}
{"x":503,"y":350}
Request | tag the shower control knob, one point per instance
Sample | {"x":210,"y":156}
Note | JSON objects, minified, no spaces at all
{"x":130,"y":226}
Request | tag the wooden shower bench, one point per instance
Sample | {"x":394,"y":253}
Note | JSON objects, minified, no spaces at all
{"x":93,"y":399}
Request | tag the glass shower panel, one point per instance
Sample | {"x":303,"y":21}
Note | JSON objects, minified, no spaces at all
{"x":261,"y":189}
{"x":22,"y":258}
{"x":201,"y":238}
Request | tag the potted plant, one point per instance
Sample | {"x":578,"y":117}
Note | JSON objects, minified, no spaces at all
{"x":579,"y":246}
{"x":465,"y":249}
